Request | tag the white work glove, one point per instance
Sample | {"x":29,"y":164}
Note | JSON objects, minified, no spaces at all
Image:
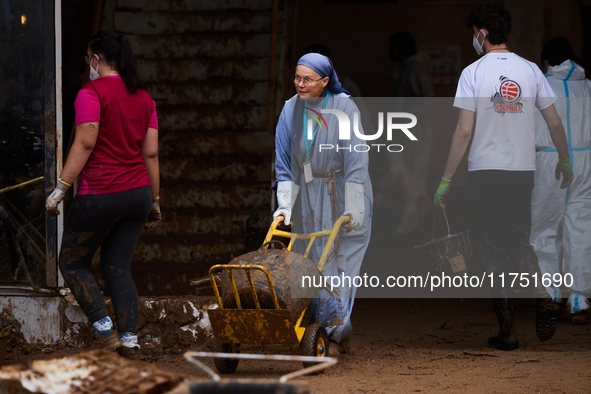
{"x":354,"y":206}
{"x":55,"y":198}
{"x":287,"y":192}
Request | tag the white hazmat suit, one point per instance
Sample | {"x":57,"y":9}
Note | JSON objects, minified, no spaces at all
{"x":561,"y":218}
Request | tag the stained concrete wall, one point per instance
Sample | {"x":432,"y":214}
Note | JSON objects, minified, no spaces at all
{"x":46,"y":320}
{"x":165,"y":323}
{"x":206,"y":64}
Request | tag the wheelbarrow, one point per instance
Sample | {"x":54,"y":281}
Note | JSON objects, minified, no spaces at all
{"x":259,"y":309}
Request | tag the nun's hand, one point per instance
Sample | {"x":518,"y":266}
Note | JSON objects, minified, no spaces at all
{"x":354,"y":206}
{"x":287,"y":193}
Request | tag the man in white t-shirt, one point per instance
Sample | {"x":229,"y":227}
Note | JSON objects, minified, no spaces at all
{"x":499,"y":93}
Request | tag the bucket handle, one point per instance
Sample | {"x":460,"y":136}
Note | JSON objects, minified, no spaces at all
{"x":273,"y":241}
{"x":446,"y":221}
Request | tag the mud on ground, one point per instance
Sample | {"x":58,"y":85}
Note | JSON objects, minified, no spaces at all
{"x":424,"y":346}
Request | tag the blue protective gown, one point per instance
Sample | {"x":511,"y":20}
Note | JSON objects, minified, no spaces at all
{"x":312,"y":209}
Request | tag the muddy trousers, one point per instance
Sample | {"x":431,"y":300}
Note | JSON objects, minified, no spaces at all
{"x":113,"y":222}
{"x":500,"y":203}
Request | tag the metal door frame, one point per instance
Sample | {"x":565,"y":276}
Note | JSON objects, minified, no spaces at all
{"x":52,"y":92}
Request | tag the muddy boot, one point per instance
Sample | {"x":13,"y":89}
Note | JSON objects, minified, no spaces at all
{"x":333,"y":349}
{"x":578,"y":319}
{"x":345,"y":346}
{"x":546,"y":322}
{"x":506,"y":339}
{"x":578,"y":305}
{"x":130,"y":348}
{"x":556,"y":308}
{"x":108,"y":340}
{"x":105,"y":336}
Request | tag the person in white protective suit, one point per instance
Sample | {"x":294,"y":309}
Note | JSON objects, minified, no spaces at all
{"x":561,"y":218}
{"x":411,"y":170}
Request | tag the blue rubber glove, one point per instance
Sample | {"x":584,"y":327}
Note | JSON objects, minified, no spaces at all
{"x":563,"y":167}
{"x":441,"y":193}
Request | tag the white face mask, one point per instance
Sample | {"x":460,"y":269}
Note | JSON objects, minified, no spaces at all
{"x":93,"y":73}
{"x":477,"y":46}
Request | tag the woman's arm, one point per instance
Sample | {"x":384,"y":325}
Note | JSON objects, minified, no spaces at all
{"x":84,"y":142}
{"x":150,"y":152}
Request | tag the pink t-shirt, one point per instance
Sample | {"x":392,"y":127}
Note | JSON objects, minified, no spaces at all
{"x":116,"y":163}
{"x":88,"y":107}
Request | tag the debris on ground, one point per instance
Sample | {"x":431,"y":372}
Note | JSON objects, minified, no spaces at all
{"x":99,"y":371}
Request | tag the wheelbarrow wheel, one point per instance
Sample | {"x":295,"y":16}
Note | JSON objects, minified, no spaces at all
{"x":225,"y":365}
{"x":315,"y":342}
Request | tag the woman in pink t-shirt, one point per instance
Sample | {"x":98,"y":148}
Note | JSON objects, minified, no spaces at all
{"x":115,"y":159}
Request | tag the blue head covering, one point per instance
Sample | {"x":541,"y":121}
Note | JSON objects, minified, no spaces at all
{"x":323,"y":67}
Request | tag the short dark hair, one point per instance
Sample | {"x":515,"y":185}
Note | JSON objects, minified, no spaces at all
{"x":493,"y":17}
{"x":556,"y":51}
{"x":405,"y":42}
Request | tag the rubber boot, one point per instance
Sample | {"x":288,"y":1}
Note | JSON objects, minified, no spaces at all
{"x":333,"y":349}
{"x":578,"y":306}
{"x":506,"y":339}
{"x":546,"y":322}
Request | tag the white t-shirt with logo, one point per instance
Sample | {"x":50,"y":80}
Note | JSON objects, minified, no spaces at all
{"x":502,"y":89}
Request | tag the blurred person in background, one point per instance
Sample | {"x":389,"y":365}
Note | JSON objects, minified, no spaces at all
{"x":346,"y":82}
{"x":410,"y":169}
{"x":561,"y":218}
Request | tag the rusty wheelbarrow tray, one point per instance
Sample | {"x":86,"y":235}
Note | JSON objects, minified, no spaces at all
{"x":269,"y":330}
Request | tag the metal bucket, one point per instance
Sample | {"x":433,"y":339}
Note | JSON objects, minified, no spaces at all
{"x":451,"y":255}
{"x":286,"y":269}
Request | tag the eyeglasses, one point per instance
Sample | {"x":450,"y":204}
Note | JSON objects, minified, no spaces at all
{"x":87,"y":58}
{"x":307,"y":81}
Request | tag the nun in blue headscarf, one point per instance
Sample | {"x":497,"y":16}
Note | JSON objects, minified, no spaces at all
{"x":316,"y":184}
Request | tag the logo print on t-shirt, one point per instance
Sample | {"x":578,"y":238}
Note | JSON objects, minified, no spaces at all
{"x":507,"y":98}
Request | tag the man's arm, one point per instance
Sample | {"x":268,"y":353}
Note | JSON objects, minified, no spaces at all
{"x":459,"y":142}
{"x":560,"y":142}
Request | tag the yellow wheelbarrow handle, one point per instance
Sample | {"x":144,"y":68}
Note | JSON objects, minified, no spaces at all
{"x":331,"y":234}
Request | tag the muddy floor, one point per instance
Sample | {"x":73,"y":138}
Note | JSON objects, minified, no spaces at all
{"x":424,"y":345}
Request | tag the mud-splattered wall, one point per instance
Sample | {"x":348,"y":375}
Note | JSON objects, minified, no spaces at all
{"x":206,"y":65}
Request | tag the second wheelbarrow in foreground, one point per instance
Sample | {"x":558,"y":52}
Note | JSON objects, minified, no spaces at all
{"x":260,"y":309}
